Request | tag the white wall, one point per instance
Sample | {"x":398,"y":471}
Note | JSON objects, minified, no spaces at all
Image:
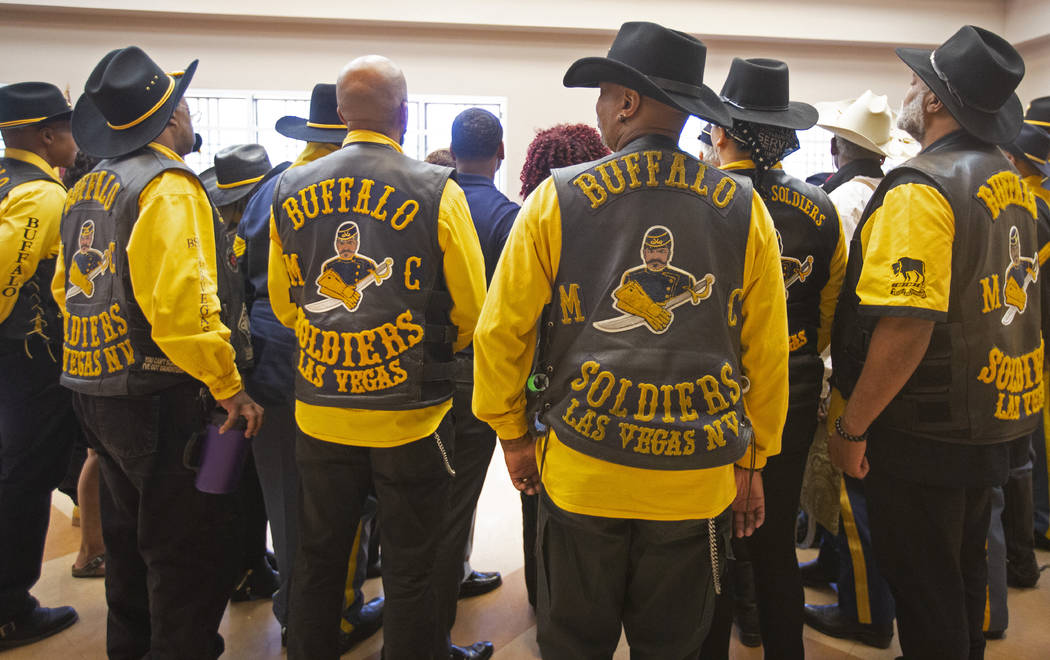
{"x":524,"y":65}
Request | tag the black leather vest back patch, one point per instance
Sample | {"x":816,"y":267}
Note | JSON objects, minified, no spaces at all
{"x":359,"y":230}
{"x":642,"y":342}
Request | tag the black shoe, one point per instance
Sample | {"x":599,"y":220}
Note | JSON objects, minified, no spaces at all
{"x":478,"y":583}
{"x":368,"y":621}
{"x":258,"y":583}
{"x":284,"y":635}
{"x":476,"y":651}
{"x":994,"y":634}
{"x":815,"y":576}
{"x":1022,"y":575}
{"x":830,"y":620}
{"x":36,"y":625}
{"x":374,"y":569}
{"x":1042,"y":542}
{"x":749,"y":637}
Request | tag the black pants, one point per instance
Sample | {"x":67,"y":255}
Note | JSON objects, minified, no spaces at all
{"x":651,"y":577}
{"x":37,"y":430}
{"x":529,"y":513}
{"x":930,"y":545}
{"x":412,"y":484}
{"x":170,"y":549}
{"x":274,"y":450}
{"x":251,"y":519}
{"x":475,"y":442}
{"x":771,"y":552}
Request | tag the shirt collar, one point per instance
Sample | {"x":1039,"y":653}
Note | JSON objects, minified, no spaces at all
{"x":33,"y":159}
{"x":164,"y":151}
{"x":1035,"y":180}
{"x":746,"y":164}
{"x":361,"y":135}
{"x":313,"y":151}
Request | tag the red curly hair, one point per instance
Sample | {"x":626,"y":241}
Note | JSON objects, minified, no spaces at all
{"x":559,"y":146}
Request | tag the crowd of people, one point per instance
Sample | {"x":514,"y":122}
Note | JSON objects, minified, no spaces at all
{"x":675,"y":352}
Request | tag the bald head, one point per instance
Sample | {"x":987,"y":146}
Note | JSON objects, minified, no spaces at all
{"x":372,"y":96}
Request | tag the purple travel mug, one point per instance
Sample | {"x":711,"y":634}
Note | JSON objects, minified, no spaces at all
{"x":222,"y":457}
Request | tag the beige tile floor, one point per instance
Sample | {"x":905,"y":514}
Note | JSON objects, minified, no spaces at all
{"x":502,"y":616}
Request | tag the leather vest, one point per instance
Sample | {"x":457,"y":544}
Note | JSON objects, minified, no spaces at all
{"x":641,"y":344}
{"x":359,"y":230}
{"x":34,"y":311}
{"x":980,"y":381}
{"x":808,"y":227}
{"x":108,"y":349}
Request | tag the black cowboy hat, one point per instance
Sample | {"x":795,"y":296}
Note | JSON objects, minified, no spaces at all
{"x":238,"y":171}
{"x":665,"y":65}
{"x":756,"y":90}
{"x":324,"y":124}
{"x":705,"y":135}
{"x":974,"y":74}
{"x":26,"y":103}
{"x":127,"y":102}
{"x":1033,"y":145}
{"x":1038,"y":113}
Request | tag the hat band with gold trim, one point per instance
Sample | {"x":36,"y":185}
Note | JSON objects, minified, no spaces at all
{"x":149,"y":113}
{"x":244,"y":182}
{"x":20,"y":122}
{"x":1036,"y":122}
{"x":333,"y":126}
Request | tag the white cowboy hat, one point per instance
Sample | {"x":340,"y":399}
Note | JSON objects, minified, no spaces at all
{"x":867,"y":122}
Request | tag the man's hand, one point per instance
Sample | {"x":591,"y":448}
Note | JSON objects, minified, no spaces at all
{"x":848,"y":456}
{"x":748,"y":516}
{"x":242,"y":405}
{"x":520,"y":454}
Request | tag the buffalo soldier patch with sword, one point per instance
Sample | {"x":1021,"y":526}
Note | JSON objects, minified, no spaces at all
{"x":647,"y":294}
{"x":88,"y":263}
{"x":795,"y":270}
{"x":345,"y":276}
{"x":1021,"y":272}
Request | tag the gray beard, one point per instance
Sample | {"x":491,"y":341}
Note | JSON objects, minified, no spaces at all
{"x":911,"y":120}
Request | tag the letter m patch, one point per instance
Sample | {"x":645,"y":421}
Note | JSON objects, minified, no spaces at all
{"x":571,"y":309}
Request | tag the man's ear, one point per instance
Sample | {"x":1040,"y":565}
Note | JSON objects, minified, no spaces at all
{"x":719,"y":139}
{"x":931,"y":103}
{"x":501,"y":153}
{"x":46,"y":134}
{"x":631,"y":102}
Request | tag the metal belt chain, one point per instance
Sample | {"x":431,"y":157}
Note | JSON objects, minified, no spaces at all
{"x":712,"y":544}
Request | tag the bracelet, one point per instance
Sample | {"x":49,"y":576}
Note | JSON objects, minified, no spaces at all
{"x":852,"y":438}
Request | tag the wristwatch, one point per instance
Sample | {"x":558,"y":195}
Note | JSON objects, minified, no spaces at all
{"x":852,"y":438}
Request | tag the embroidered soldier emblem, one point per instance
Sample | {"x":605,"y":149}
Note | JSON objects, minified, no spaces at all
{"x":647,"y":294}
{"x":1021,"y":272}
{"x":794,"y":270}
{"x":911,"y":277}
{"x":88,"y":263}
{"x":346,"y":275}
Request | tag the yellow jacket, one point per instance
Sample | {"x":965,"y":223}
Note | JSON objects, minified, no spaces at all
{"x":22,"y":243}
{"x":503,"y":352}
{"x":464,"y":270}
{"x":171,"y":259}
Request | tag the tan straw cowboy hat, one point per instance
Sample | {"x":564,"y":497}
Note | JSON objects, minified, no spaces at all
{"x":867,"y":122}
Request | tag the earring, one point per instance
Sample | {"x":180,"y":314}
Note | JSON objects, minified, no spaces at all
{"x":621,"y":118}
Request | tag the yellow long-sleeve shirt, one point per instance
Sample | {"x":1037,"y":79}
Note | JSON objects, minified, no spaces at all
{"x":30,"y":217}
{"x":464,"y":271}
{"x":503,"y":351}
{"x":171,"y":261}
